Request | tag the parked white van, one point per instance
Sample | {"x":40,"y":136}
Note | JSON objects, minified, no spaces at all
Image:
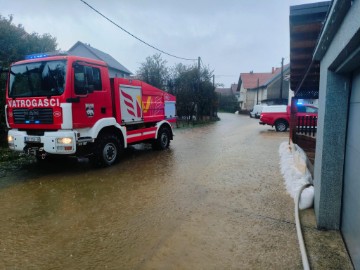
{"x":256,"y":111}
{"x":275,"y":108}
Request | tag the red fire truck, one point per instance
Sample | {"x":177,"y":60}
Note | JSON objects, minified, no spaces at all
{"x":68,"y":105}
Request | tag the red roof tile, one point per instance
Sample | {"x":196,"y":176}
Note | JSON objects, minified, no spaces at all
{"x":250,"y":80}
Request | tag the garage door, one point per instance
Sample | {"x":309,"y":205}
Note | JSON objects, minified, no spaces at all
{"x":350,"y":226}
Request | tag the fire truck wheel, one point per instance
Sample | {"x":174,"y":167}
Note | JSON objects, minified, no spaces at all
{"x":163,"y":140}
{"x":107,"y":151}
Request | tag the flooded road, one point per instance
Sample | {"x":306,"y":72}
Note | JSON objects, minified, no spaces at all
{"x":214,"y":200}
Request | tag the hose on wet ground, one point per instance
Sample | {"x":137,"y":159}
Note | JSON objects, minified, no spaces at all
{"x":304,"y":256}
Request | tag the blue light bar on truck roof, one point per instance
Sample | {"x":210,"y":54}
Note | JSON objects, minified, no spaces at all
{"x":44,"y":55}
{"x":36,"y":55}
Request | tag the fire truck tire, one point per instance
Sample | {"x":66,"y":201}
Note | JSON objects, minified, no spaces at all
{"x":281,"y":125}
{"x":107,"y":151}
{"x":163,"y":140}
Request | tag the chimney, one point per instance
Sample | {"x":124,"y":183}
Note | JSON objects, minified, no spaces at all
{"x":273,"y":70}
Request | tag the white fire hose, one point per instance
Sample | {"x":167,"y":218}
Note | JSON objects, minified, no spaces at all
{"x":304,"y":256}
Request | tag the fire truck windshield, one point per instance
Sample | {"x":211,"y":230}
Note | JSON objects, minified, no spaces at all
{"x":45,"y":78}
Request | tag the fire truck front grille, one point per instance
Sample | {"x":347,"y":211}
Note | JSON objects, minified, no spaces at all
{"x":34,"y":116}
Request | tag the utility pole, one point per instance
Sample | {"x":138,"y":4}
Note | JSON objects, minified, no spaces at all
{"x":198,"y":91}
{"x":199,"y":73}
{"x":212,"y":105}
{"x":282,"y":78}
{"x":257,"y":92}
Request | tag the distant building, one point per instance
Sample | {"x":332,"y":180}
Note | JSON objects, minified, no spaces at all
{"x":248,"y":81}
{"x":85,"y":50}
{"x":224,"y":91}
{"x":227,"y":98}
{"x":233,"y":88}
{"x":277,"y":88}
{"x":256,"y":88}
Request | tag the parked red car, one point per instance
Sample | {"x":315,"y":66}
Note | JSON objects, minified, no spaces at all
{"x":279,"y":115}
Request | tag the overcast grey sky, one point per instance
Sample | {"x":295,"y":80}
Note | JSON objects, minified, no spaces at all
{"x":230,"y":36}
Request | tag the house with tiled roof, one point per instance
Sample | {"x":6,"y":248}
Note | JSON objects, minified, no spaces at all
{"x":247,"y":81}
{"x":276,"y":89}
{"x":257,"y":88}
{"x":85,"y":50}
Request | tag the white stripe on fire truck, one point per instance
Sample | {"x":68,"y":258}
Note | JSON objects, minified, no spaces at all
{"x":141,"y":134}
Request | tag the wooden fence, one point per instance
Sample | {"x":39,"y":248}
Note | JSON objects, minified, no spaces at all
{"x":303,"y":132}
{"x":306,"y":125}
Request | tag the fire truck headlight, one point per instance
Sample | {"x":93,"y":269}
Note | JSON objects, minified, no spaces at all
{"x":10,"y":139}
{"x":64,"y":140}
{"x":11,"y":142}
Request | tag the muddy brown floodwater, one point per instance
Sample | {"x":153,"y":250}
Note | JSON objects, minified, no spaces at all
{"x":214,"y":200}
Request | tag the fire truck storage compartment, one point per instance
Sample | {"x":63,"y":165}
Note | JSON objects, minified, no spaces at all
{"x":130,"y":104}
{"x":170,"y":109}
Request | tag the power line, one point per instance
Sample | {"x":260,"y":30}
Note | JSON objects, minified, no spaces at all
{"x":139,"y":39}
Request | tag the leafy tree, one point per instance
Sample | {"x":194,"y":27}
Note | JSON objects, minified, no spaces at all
{"x":195,"y":98}
{"x":183,"y":86}
{"x":194,"y":91}
{"x":228,"y":103}
{"x":154,"y":71}
{"x":15,"y":44}
{"x":206,"y":98}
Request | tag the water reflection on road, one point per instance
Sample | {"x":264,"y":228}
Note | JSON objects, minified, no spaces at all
{"x":170,"y":209}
